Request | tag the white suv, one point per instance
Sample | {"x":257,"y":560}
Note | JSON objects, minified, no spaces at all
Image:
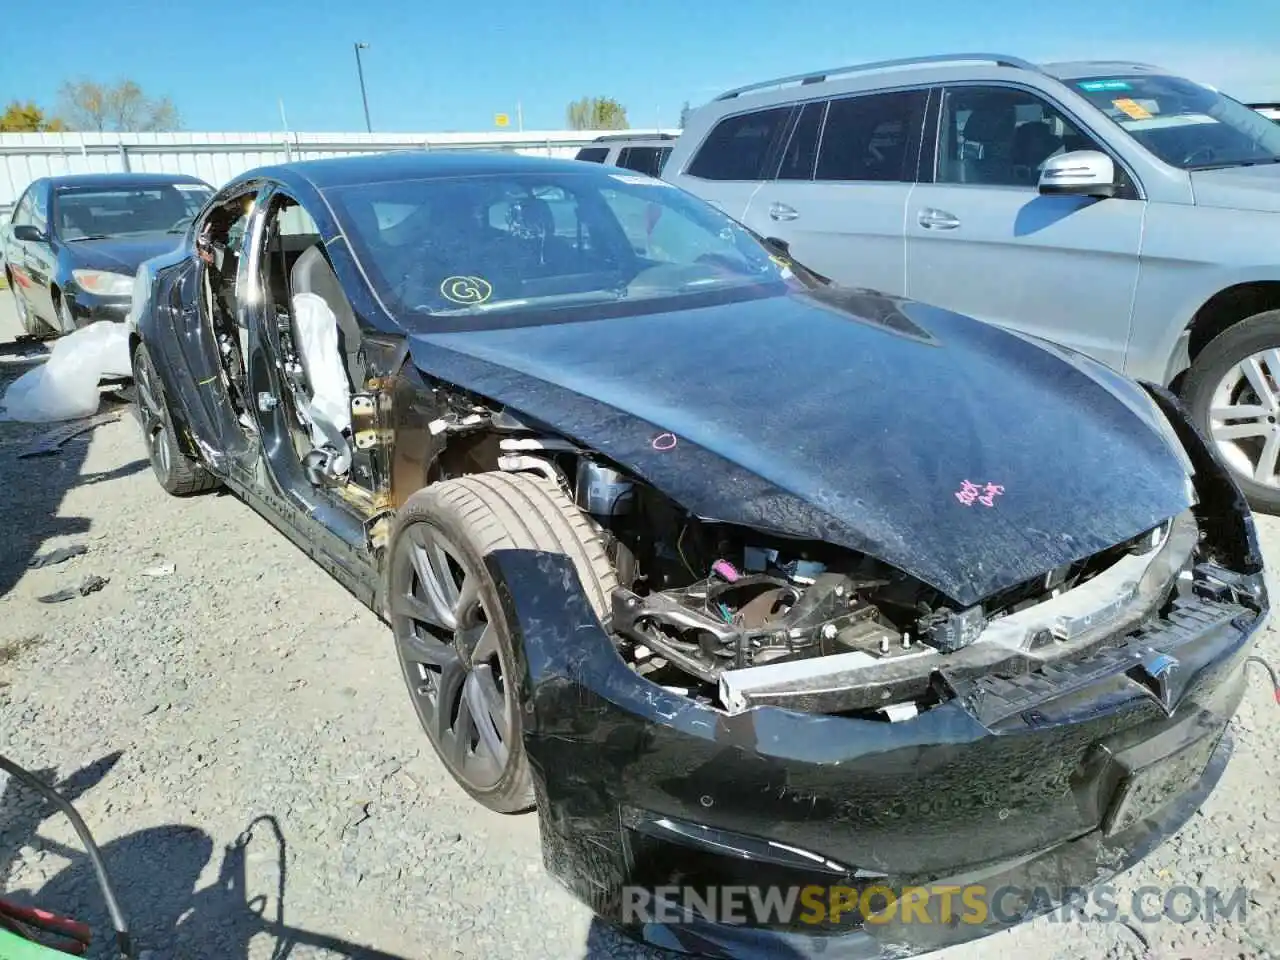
{"x":642,"y":152}
{"x":1110,"y":207}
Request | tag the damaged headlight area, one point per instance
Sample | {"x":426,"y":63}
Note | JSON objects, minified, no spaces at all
{"x":736,"y":618}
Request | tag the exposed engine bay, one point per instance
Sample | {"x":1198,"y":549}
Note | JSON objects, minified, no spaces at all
{"x":736,"y":618}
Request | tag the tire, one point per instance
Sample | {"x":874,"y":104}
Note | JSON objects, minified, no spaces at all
{"x":469,"y":518}
{"x":1206,"y":378}
{"x":30,"y":325}
{"x":177,"y":473}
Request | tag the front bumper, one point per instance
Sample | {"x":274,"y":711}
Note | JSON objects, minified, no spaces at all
{"x":1072,"y":775}
{"x":87,"y":308}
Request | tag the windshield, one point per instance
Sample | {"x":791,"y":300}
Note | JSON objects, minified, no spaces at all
{"x":1183,"y":123}
{"x":505,"y":242}
{"x":83,"y":213}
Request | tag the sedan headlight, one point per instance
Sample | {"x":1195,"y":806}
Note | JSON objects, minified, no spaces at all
{"x":103,"y":282}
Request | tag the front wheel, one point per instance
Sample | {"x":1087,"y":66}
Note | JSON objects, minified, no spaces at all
{"x":452,"y":638}
{"x":30,"y":325}
{"x":178,"y":474}
{"x":1233,"y":391}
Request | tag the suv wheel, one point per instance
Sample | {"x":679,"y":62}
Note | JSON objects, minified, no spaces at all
{"x":1233,"y":390}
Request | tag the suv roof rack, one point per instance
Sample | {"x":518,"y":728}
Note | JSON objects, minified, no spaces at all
{"x":819,"y":76}
{"x":634,"y":136}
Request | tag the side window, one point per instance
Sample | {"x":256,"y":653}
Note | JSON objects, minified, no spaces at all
{"x":40,"y":207}
{"x":802,"y":149}
{"x":642,"y":159}
{"x":22,"y":212}
{"x":738,"y":147}
{"x":873,"y":137}
{"x":1000,"y":136}
{"x":593,"y":154}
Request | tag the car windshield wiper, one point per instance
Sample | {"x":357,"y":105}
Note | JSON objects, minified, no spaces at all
{"x":91,"y":236}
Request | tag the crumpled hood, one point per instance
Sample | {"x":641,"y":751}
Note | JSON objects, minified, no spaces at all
{"x":1239,"y":188}
{"x":849,"y":418}
{"x":120,"y":254}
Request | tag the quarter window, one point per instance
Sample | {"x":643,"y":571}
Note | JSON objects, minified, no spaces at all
{"x":999,"y":136}
{"x":873,"y":137}
{"x":593,"y":154}
{"x":739,"y":146}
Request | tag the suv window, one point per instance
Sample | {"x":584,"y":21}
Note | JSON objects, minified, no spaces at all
{"x":738,"y":146}
{"x":802,"y":148}
{"x":873,"y":137}
{"x":1000,"y":136}
{"x":593,"y":154}
{"x":648,"y":160}
{"x":1183,"y":123}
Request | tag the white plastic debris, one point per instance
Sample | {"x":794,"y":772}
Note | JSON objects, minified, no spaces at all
{"x":65,"y":387}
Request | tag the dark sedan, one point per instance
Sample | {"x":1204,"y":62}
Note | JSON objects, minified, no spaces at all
{"x":740,"y":578}
{"x":74,"y":243}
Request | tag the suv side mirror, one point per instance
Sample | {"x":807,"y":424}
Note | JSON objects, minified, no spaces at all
{"x":27,"y":233}
{"x":1081,"y":173}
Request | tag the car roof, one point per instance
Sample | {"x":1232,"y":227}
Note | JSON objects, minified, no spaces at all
{"x":410,"y":165}
{"x":120,"y":179}
{"x":1075,"y":69}
{"x":909,"y":71}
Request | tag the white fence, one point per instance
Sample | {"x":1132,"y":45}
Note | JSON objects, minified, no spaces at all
{"x":217,"y":157}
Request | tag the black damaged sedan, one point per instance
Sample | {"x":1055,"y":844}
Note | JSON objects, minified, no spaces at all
{"x":737,"y":577}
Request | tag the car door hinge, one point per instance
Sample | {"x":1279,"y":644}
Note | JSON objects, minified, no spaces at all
{"x":371,"y":420}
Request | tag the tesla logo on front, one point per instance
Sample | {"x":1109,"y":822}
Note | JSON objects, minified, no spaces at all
{"x":983,"y":493}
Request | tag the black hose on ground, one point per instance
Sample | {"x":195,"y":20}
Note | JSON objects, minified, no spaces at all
{"x":123,"y":942}
{"x":1271,"y":672}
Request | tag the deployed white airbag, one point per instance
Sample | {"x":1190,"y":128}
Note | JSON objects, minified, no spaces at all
{"x":65,"y":387}
{"x":329,"y":411}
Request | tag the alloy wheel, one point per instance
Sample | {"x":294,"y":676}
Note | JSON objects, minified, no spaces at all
{"x":449,"y":650}
{"x":155,"y":426}
{"x":1244,"y":417}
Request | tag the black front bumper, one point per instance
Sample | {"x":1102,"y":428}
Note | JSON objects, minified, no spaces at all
{"x":1071,"y":774}
{"x":87,"y":308}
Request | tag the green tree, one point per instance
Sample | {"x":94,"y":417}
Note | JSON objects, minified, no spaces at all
{"x":27,"y":117}
{"x":122,"y":106}
{"x":597,"y":113}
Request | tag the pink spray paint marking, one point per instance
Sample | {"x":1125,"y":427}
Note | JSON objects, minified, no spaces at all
{"x":983,"y":493}
{"x":664,"y":441}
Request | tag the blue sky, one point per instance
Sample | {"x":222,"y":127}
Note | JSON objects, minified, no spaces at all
{"x":435,"y":66}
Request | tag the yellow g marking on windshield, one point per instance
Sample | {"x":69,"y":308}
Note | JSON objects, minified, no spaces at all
{"x":466,"y":290}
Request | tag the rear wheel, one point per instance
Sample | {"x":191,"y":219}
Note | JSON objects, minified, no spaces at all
{"x":452,"y":639}
{"x":178,"y":474}
{"x":1233,"y":390}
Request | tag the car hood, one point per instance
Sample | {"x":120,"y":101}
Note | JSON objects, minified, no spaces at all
{"x":846,"y":417}
{"x":1239,"y":188}
{"x":120,"y":254}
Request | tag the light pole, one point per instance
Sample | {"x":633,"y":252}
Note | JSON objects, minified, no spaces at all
{"x":363,"y":96}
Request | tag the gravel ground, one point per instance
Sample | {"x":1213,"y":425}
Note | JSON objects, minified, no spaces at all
{"x":233,"y":727}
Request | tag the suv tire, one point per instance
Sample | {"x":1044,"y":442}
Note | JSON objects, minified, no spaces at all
{"x":1208,"y":376}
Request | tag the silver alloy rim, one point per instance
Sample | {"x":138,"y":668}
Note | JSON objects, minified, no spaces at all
{"x":1243,"y":417}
